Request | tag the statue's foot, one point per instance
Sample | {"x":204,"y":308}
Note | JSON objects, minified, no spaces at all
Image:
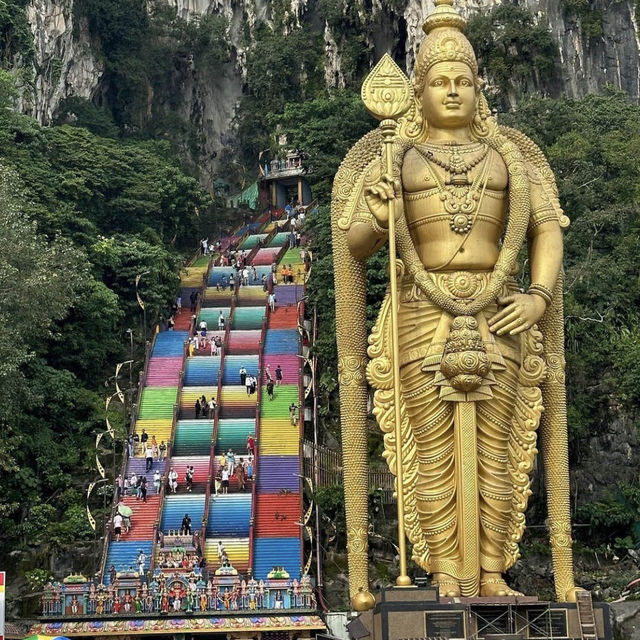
{"x":447,"y":585}
{"x":493,"y":585}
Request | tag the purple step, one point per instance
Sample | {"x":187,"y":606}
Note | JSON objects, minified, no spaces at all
{"x":139,"y":464}
{"x":288,"y":294}
{"x":278,"y":474}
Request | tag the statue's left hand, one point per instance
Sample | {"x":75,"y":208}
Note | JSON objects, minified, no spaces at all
{"x":520,"y":313}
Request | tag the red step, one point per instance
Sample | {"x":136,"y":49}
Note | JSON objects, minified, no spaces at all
{"x":284,"y":318}
{"x":183,"y":319}
{"x":143,"y":518}
{"x":277,"y":516}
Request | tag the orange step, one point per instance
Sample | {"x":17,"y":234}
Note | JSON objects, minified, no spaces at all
{"x":284,"y":318}
{"x":144,"y":517}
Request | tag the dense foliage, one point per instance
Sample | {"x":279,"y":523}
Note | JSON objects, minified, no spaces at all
{"x":80,"y":217}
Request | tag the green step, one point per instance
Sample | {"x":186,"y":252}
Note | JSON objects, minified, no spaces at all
{"x":248,"y":318}
{"x":157,"y":402}
{"x":193,"y":438}
{"x":202,"y":261}
{"x":284,"y":395}
{"x":232,"y":434}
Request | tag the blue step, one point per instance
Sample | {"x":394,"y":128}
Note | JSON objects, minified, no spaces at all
{"x":123,"y":555}
{"x":170,"y":343}
{"x":229,"y":515}
{"x":281,"y":341}
{"x":276,"y":552}
{"x":175,"y":507}
{"x":202,"y":371}
{"x":232,"y":365}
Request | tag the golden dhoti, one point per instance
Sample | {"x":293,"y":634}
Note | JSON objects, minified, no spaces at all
{"x":434,"y":411}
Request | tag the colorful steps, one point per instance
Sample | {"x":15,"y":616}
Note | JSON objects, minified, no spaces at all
{"x":248,"y":318}
{"x":283,"y":396}
{"x":278,"y":474}
{"x":229,"y":515}
{"x":169,"y":343}
{"x":232,"y":434}
{"x":190,"y":395}
{"x":288,"y":294}
{"x":237,"y":550}
{"x":281,"y":341}
{"x":234,"y":485}
{"x":290,"y":365}
{"x":157,"y":403}
{"x":232,"y":366}
{"x":217,"y":298}
{"x":276,"y":552}
{"x":182,"y":319}
{"x":251,"y":241}
{"x":164,"y":371}
{"x":202,"y":371}
{"x":277,"y":516}
{"x":243,"y":342}
{"x":200,"y":466}
{"x":279,"y":437}
{"x":283,"y":318}
{"x":280,"y":239}
{"x":158,"y":427}
{"x":266,"y":256}
{"x":292,"y":256}
{"x":123,"y":555}
{"x":193,"y":438}
{"x":143,"y":518}
{"x":217,"y":274}
{"x":235,"y":403}
{"x":251,"y":295}
{"x":177,"y":505}
{"x":211,"y":314}
{"x":139,"y":466}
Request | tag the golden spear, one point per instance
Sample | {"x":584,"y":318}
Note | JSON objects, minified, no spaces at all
{"x":386,"y":94}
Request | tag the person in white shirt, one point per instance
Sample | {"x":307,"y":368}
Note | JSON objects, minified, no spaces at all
{"x":221,"y":322}
{"x":173,"y":479}
{"x":225,"y":480}
{"x":142,"y":560}
{"x":245,"y":276}
{"x":117,"y":526}
{"x":156,"y":481}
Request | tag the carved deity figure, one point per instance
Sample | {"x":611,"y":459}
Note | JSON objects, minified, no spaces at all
{"x":478,"y":359}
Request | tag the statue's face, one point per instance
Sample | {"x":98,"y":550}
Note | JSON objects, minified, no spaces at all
{"x":449,"y":96}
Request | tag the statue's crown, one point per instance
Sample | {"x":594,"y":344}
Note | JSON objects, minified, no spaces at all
{"x":444,"y":42}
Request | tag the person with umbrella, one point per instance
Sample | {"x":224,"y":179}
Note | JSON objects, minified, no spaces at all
{"x":125,"y":512}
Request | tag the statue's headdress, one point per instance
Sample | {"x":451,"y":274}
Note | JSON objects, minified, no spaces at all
{"x":445,"y":42}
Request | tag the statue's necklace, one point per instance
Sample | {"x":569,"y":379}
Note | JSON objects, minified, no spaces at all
{"x":460,"y":199}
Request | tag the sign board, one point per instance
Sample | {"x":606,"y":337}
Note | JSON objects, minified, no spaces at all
{"x":445,"y":624}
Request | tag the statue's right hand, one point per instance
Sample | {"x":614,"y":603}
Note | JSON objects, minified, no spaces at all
{"x":379,"y":195}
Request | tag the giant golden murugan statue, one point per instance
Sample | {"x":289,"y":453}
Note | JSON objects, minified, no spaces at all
{"x":478,"y":364}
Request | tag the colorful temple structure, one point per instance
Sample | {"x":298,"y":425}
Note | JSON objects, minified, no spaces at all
{"x":240,"y":567}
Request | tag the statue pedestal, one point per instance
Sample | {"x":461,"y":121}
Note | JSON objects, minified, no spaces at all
{"x":417,"y":613}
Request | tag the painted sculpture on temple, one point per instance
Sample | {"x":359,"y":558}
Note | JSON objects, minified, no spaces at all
{"x":465,"y":365}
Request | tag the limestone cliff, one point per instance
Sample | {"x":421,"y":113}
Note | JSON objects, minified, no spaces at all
{"x":64,"y":61}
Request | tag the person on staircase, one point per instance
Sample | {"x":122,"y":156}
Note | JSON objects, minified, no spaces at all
{"x":117,"y":526}
{"x":250,"y":443}
{"x":173,"y":479}
{"x":141,"y":561}
{"x":231,"y":461}
{"x":212,"y":408}
{"x":292,"y":413}
{"x":254,"y":384}
{"x":225,"y":480}
{"x":119,"y":485}
{"x":278,"y":376}
{"x":154,"y":446}
{"x":133,"y":484}
{"x":143,"y":488}
{"x":198,"y":408}
{"x":148,"y":455}
{"x":247,"y":384}
{"x":243,"y":375}
{"x":272,"y":301}
{"x":221,"y":321}
{"x":239,"y":474}
{"x":188,"y":476}
{"x":270,"y":386}
{"x":185,"y":528}
{"x":205,"y":407}
{"x":157,"y":479}
{"x":162,"y":450}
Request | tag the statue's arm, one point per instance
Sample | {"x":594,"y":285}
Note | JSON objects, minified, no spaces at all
{"x":364,"y":240}
{"x":545,"y":241}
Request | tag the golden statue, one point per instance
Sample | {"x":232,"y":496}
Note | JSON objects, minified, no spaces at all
{"x":478,"y":364}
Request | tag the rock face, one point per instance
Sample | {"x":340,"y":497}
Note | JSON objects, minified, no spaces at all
{"x":65,"y":64}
